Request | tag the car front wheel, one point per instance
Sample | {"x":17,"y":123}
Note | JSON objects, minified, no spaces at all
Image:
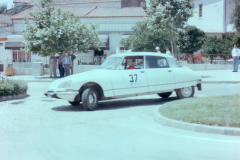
{"x":185,"y":92}
{"x":90,"y":99}
{"x":165,"y":95}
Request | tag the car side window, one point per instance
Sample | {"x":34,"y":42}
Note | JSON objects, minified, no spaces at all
{"x":156,"y":62}
{"x":133,"y":62}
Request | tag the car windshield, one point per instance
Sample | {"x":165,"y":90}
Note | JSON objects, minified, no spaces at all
{"x":112,"y":63}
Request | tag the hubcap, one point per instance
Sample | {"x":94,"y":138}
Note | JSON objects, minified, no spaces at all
{"x":187,"y":91}
{"x":92,"y":98}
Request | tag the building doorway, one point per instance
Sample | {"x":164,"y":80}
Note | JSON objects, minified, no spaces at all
{"x":99,"y":53}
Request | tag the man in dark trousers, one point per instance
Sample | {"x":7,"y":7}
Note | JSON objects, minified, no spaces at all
{"x":73,"y":57}
{"x":61,"y":69}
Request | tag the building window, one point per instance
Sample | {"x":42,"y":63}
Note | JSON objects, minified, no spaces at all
{"x":200,"y":10}
{"x":21,"y":56}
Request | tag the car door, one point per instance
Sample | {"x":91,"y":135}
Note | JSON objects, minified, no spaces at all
{"x":130,"y":82}
{"x":160,"y":76}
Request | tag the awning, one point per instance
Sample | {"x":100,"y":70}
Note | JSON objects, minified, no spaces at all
{"x":14,"y":45}
{"x":104,"y":40}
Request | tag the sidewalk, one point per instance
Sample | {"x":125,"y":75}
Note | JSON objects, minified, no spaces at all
{"x":209,"y":76}
{"x":30,"y":78}
{"x":220,"y":76}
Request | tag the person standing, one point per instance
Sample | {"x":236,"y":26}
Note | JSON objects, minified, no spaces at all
{"x":96,"y":60}
{"x":66,"y":64}
{"x":167,"y":51}
{"x":52,"y":63}
{"x":158,"y":49}
{"x":60,"y":57}
{"x":235,"y":55}
{"x":61,"y":69}
{"x":73,"y":58}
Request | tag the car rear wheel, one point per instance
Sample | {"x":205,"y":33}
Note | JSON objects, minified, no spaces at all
{"x":185,"y":92}
{"x":165,"y":95}
{"x":90,"y":99}
{"x":74,"y":103}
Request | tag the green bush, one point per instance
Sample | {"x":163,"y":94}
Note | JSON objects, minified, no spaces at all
{"x":12,"y":87}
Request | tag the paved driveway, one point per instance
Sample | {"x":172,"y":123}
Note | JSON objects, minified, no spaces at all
{"x":41,"y":128}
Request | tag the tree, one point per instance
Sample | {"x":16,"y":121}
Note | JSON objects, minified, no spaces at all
{"x":235,"y":15}
{"x":146,"y":38}
{"x":218,"y":46}
{"x":55,"y":30}
{"x":169,"y":15}
{"x":3,"y":8}
{"x":191,"y":39}
{"x":18,"y":9}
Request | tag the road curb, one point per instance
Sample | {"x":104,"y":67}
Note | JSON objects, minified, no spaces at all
{"x":7,"y":98}
{"x":195,"y":127}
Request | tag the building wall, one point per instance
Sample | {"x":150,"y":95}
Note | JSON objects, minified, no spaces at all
{"x":212,"y":16}
{"x":5,"y":55}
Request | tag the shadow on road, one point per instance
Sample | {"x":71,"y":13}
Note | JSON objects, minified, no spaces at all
{"x":117,"y":104}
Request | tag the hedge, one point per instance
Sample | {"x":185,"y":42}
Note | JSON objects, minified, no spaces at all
{"x":12,"y":87}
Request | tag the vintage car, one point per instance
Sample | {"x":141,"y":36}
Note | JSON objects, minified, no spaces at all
{"x":150,"y":73}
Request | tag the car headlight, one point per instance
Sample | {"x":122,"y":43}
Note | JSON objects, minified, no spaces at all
{"x":67,"y":84}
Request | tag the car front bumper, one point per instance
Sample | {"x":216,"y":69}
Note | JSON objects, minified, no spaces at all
{"x":67,"y":95}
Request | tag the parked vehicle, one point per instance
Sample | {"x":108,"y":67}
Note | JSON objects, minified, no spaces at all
{"x":154,"y":73}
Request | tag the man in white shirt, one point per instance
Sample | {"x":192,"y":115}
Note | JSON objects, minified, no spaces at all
{"x":235,"y":55}
{"x":167,"y":51}
{"x":158,"y":49}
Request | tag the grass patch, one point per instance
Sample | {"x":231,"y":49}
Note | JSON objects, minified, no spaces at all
{"x":216,"y":110}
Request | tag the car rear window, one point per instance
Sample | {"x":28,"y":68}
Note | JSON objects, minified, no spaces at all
{"x":156,"y":62}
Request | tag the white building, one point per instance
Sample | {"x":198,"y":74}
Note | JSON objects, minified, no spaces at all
{"x":213,"y":17}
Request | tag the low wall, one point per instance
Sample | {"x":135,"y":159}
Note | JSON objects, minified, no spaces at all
{"x":203,"y":67}
{"x":84,"y":68}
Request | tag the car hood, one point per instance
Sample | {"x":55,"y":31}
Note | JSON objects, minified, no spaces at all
{"x":81,"y":78}
{"x":87,"y":74}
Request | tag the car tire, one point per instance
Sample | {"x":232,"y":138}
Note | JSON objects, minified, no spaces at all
{"x":185,"y":92}
{"x":90,"y":99}
{"x":74,"y":103}
{"x":165,"y":95}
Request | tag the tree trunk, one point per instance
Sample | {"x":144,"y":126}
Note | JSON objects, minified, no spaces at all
{"x":193,"y":58}
{"x":171,"y":39}
{"x":174,"y":44}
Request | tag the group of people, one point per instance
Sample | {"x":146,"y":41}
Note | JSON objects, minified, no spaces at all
{"x":65,"y":64}
{"x":167,"y":50}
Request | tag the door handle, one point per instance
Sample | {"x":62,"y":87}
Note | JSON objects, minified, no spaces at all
{"x":169,"y":70}
{"x":142,"y":71}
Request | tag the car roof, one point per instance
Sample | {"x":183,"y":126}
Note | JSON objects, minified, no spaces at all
{"x":141,"y":54}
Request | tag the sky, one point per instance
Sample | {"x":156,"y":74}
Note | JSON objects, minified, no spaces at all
{"x":9,"y":3}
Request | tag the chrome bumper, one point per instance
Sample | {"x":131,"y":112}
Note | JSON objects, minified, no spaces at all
{"x":67,"y":95}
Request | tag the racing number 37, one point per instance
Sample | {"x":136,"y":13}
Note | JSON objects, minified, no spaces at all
{"x":133,"y":78}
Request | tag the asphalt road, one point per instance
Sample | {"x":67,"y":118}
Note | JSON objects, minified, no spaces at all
{"x":38,"y":127}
